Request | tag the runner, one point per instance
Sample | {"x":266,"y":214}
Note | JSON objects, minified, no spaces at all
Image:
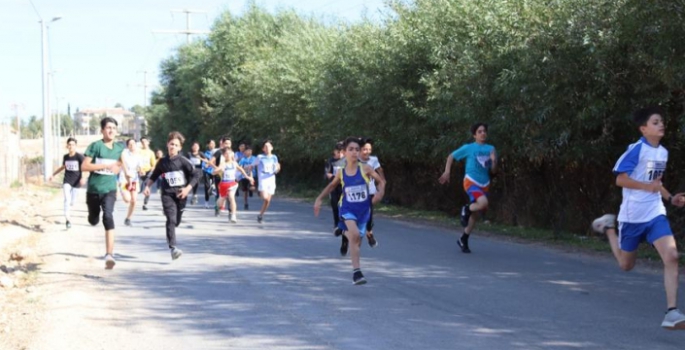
{"x":179,"y":177}
{"x":245,"y":184}
{"x":241,"y":151}
{"x":103,"y":161}
{"x":196,"y":158}
{"x":481,"y":160}
{"x":267,"y":167}
{"x":130,"y":177}
{"x":643,"y":215}
{"x":208,"y":178}
{"x":148,"y":161}
{"x":73,"y":179}
{"x":372,"y":161}
{"x":333,"y":165}
{"x":224,"y":142}
{"x":355,"y":203}
{"x":229,"y":185}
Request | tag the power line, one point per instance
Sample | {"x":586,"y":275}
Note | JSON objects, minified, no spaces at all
{"x":188,"y":32}
{"x":36,"y":10}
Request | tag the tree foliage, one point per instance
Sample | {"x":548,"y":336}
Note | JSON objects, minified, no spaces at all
{"x":555,"y":79}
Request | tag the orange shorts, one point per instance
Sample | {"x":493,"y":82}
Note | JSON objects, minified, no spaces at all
{"x":474,"y":190}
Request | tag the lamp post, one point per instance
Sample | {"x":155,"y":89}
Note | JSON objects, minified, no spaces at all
{"x":47,"y":148}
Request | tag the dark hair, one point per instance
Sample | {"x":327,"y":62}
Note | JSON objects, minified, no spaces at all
{"x":352,"y":139}
{"x":225,"y":138}
{"x":129,"y":140}
{"x":107,"y":120}
{"x":195,"y":143}
{"x":267,"y":141}
{"x":144,"y":138}
{"x":641,"y":116}
{"x":176,"y":135}
{"x":477,"y":125}
{"x":210,"y":141}
{"x":71,"y":139}
{"x":366,"y":140}
{"x":339,"y":146}
{"x":248,"y":147}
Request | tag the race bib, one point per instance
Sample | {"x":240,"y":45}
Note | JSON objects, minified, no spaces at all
{"x":71,"y":165}
{"x":229,"y":174}
{"x":356,"y":194}
{"x":655,"y":169}
{"x":269,"y":168}
{"x":105,"y":161}
{"x":196,"y":161}
{"x":175,"y":178}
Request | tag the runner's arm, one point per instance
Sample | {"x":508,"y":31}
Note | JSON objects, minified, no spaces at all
{"x":493,"y":159}
{"x":90,"y":167}
{"x":331,"y":186}
{"x":445,"y":177}
{"x":380,"y":183}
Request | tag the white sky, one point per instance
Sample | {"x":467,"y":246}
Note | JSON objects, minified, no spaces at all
{"x":100,"y":47}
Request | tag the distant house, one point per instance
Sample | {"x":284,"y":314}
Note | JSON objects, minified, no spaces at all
{"x":125,"y":118}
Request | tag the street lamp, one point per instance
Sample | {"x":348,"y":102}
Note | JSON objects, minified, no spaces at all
{"x":47,"y":151}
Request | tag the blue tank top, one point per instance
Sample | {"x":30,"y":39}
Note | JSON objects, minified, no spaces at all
{"x":355,"y":192}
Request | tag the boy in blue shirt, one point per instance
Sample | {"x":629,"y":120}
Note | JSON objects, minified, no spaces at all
{"x":643,"y":215}
{"x":246,"y":162}
{"x":481,"y":160}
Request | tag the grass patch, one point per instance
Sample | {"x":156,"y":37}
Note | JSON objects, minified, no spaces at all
{"x":16,"y":184}
{"x":566,"y":240}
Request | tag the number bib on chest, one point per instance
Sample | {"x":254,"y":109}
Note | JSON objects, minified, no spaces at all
{"x":655,"y":169}
{"x":356,"y":194}
{"x":105,"y":161}
{"x":175,"y":178}
{"x":71,"y":165}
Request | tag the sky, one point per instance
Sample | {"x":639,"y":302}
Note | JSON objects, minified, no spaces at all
{"x":99,"y":49}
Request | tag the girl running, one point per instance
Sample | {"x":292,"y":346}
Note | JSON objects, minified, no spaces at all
{"x":229,"y":186}
{"x":267,"y":167}
{"x":196,"y":158}
{"x":129,"y":178}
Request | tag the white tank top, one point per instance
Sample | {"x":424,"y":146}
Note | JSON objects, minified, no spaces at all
{"x":229,"y":172}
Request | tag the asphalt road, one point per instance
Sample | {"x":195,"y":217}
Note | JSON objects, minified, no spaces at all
{"x":283,"y":285}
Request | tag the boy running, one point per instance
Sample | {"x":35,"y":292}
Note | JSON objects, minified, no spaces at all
{"x":129,"y":178}
{"x":267,"y":167}
{"x":178,"y":178}
{"x":481,"y":161}
{"x":148,"y":161}
{"x":103,"y":161}
{"x":365,"y":157}
{"x":245,"y":185}
{"x":333,"y":165}
{"x":643,"y":215}
{"x":355,"y":204}
{"x":207,"y":171}
{"x":229,"y":186}
{"x":73,"y":180}
{"x":196,"y":158}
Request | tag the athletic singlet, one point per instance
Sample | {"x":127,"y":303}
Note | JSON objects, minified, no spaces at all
{"x":355,"y":192}
{"x":229,"y":172}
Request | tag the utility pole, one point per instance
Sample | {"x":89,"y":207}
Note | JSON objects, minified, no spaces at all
{"x":188,"y":32}
{"x":137,"y":134}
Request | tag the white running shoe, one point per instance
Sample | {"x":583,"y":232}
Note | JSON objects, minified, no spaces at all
{"x":601,"y":224}
{"x":176,"y":253}
{"x":109,"y":262}
{"x":233,"y":218}
{"x":674,"y":319}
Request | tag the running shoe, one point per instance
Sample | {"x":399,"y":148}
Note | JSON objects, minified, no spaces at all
{"x":68,"y":224}
{"x":465,"y":215}
{"x":232,"y":218}
{"x":464,"y":245}
{"x":216,"y":211}
{"x":344,"y":245}
{"x":372,"y":240}
{"x":109,"y":262}
{"x":144,"y":206}
{"x":127,"y":222}
{"x":358,"y":278}
{"x":247,"y":206}
{"x":674,"y":319}
{"x":260,"y":219}
{"x":176,"y":253}
{"x":601,"y":224}
{"x":337,"y":232}
{"x":206,"y":205}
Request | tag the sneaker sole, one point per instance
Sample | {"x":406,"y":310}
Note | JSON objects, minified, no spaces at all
{"x":175,"y":257}
{"x":680,"y":326}
{"x":462,"y":247}
{"x":360,"y":282}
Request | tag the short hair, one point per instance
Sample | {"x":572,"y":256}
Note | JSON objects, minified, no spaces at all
{"x":176,"y":135}
{"x":144,"y":138}
{"x":106,"y":120}
{"x":477,"y":125}
{"x":195,"y":143}
{"x":352,"y":139}
{"x":339,"y":146}
{"x":210,"y":141}
{"x":129,"y":140}
{"x":366,"y":140}
{"x":267,"y":141}
{"x":225,"y":138}
{"x":71,"y":139}
{"x":641,"y":116}
{"x":248,"y":147}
